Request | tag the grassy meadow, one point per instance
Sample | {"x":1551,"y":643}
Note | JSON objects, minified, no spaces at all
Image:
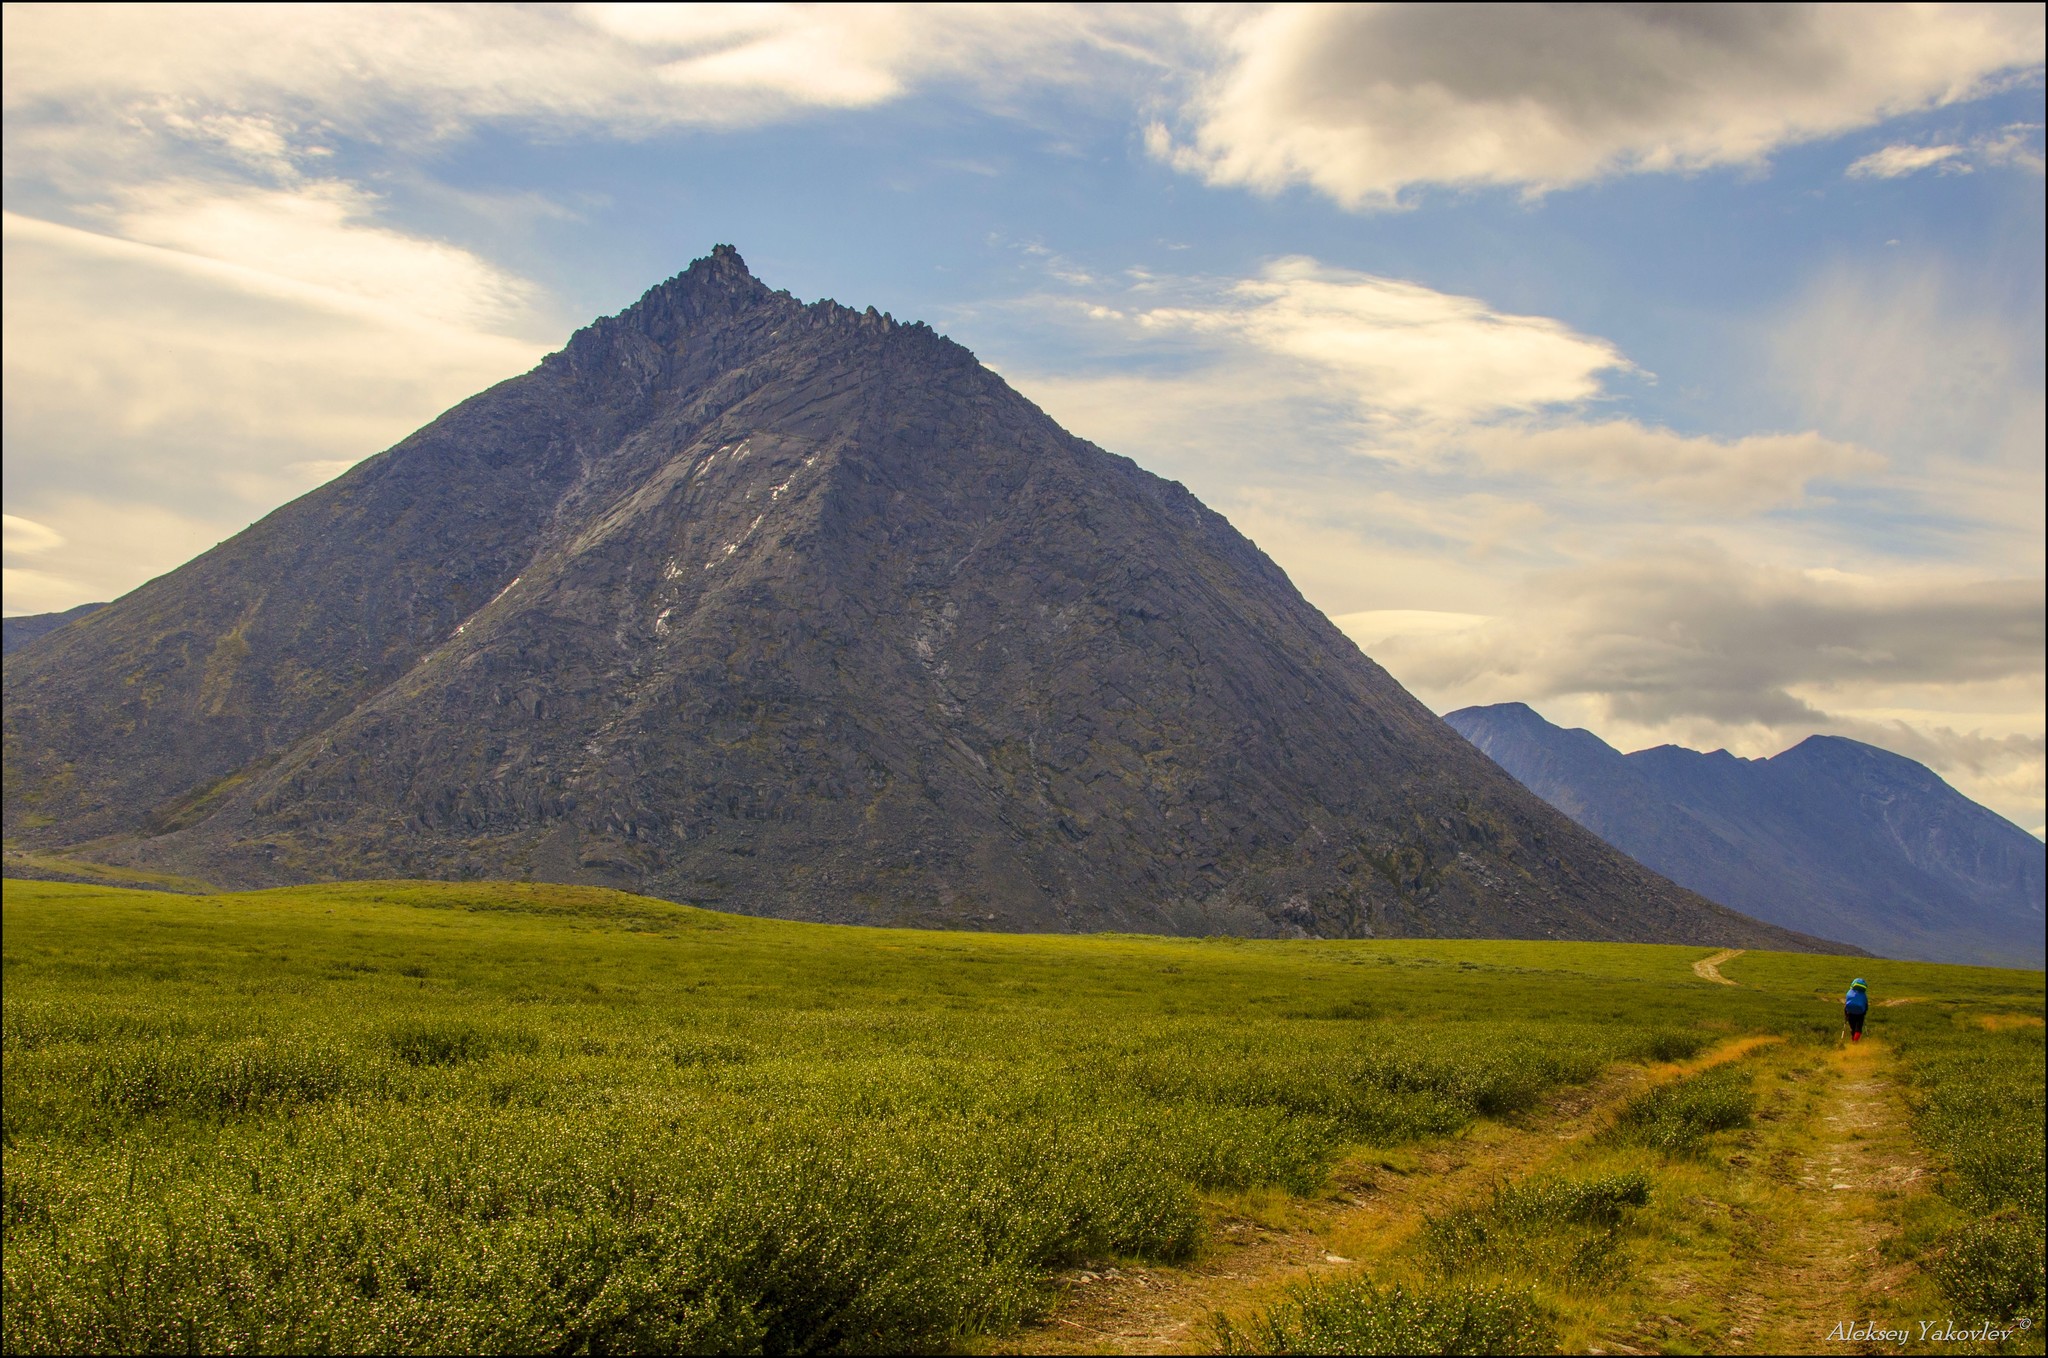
{"x":499,"y":1117}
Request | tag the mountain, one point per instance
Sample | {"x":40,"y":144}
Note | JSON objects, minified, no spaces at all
{"x":792,"y":610}
{"x":19,"y":632}
{"x":1832,"y":836}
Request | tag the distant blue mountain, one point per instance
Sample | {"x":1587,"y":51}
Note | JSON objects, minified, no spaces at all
{"x":1832,"y":837}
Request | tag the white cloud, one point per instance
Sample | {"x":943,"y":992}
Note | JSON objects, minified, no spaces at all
{"x":240,"y":345}
{"x":2016,"y":146}
{"x":26,"y":537}
{"x":1727,"y":475}
{"x":1414,"y":377}
{"x":1400,"y":353}
{"x":1363,"y":102}
{"x":1415,"y":351}
{"x":228,"y":385}
{"x":1895,"y":161}
{"x":409,"y":70}
{"x":322,"y":235}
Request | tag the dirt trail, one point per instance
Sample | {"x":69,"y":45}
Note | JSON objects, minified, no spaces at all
{"x":1376,"y":1207}
{"x":1840,"y":1181}
{"x":1709,"y":968}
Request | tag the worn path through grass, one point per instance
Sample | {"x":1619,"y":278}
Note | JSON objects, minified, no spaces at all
{"x":1381,"y":1201}
{"x":1709,"y":968}
{"x":1765,"y":1244}
{"x":1844,"y":1169}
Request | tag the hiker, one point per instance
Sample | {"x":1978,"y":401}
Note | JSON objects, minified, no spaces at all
{"x":1855,"y":1005}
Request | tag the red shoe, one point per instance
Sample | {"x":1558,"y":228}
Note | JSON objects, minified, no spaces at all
{"x":1855,"y":1037}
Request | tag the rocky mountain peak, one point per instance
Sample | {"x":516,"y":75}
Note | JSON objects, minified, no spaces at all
{"x":714,"y":320}
{"x":789,"y":609}
{"x":723,"y":260}
{"x":712,"y":292}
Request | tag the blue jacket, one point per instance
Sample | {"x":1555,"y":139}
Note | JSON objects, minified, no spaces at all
{"x":1857,"y":1001}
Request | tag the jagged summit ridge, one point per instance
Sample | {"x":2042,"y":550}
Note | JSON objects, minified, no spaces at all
{"x":715,"y":317}
{"x":719,"y":287}
{"x":791,"y":609}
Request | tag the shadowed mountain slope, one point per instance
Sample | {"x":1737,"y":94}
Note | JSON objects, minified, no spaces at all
{"x":20,"y":631}
{"x":799,"y":611}
{"x":1832,"y":836}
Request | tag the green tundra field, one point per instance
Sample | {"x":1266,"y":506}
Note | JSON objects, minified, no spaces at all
{"x":518,"y":1118}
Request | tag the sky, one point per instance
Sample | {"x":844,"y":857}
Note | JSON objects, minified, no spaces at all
{"x":1676,"y":370}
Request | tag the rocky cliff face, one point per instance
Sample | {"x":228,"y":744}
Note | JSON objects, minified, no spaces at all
{"x":792,"y":610}
{"x":1832,"y":836}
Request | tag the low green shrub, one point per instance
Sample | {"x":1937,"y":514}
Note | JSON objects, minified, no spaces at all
{"x":1356,"y":1315}
{"x":1977,"y":1100}
{"x":1563,"y":1230}
{"x":231,"y":1079}
{"x":1992,"y":1269}
{"x":1668,"y":1044}
{"x":452,"y":1231}
{"x":1677,"y":1118}
{"x":429,"y":1041}
{"x":400,"y":1117}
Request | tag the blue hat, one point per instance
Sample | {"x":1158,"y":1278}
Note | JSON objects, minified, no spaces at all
{"x":1856,"y":984}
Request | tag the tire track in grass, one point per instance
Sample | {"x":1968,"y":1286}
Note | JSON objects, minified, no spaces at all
{"x":1380,"y":1202}
{"x":1842,"y":1173}
{"x":1709,"y":968}
{"x":1820,"y":1190}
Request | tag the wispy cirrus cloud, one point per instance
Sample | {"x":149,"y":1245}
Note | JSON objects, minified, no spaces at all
{"x":2017,"y":145}
{"x":1895,"y":161}
{"x":266,"y":344}
{"x":1758,"y":471}
{"x":1940,"y":371}
{"x":258,"y":78}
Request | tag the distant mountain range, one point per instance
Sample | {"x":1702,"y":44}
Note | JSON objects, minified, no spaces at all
{"x":1831,"y":837}
{"x":18,"y":632}
{"x":794,"y":610}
